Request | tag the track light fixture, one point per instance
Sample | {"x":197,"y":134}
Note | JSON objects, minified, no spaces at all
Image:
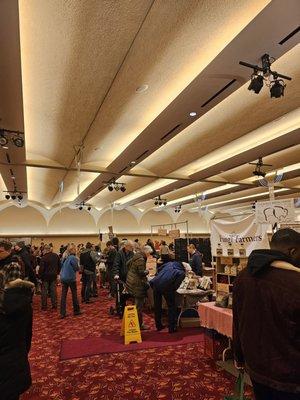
{"x":158,"y":201}
{"x":263,"y":74}
{"x":3,"y":139}
{"x":258,"y":168}
{"x":277,"y":88}
{"x":18,"y":141}
{"x":14,"y":136}
{"x":14,"y":195}
{"x":177,"y":209}
{"x":83,"y":206}
{"x":113,"y":185}
{"x":257,"y":82}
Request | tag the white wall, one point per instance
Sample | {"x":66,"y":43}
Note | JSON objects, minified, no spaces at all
{"x":33,"y":220}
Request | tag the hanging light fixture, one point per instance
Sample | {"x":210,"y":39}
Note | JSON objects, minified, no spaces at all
{"x":265,"y":74}
{"x":158,"y":201}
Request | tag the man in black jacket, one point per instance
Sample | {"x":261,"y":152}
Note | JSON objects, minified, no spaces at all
{"x":49,"y":269}
{"x":120,"y":269}
{"x":266,"y":317}
{"x":22,"y":252}
{"x":88,"y":260}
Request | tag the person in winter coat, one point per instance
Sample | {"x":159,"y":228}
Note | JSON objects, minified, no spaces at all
{"x":137,"y":283}
{"x":88,"y":260}
{"x":22,"y":252}
{"x":166,"y":283}
{"x":195,"y":259}
{"x":68,"y":280}
{"x":15,"y":332}
{"x":48,"y":271}
{"x":120,"y":270}
{"x":266,"y":318}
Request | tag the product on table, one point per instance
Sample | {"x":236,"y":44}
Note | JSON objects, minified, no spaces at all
{"x":227,"y":269}
{"x":230,"y":251}
{"x":219,"y":250}
{"x":233,"y":270}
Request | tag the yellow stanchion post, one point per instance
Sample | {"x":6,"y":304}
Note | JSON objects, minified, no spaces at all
{"x":130,"y":326}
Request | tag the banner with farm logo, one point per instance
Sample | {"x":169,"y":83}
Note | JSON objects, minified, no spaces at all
{"x":237,"y":238}
{"x":275,"y":211}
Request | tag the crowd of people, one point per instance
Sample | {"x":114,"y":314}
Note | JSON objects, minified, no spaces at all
{"x":265,"y":300}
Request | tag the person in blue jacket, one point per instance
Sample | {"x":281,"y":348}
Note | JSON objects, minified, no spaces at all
{"x":68,"y":280}
{"x":165,"y":284}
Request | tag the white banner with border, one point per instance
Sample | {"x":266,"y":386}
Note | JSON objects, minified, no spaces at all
{"x":238,"y":238}
{"x":275,"y":211}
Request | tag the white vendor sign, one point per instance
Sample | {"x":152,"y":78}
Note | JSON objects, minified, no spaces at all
{"x":276,"y":211}
{"x":238,"y":237}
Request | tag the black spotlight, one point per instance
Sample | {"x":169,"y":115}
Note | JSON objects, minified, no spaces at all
{"x":117,"y":187}
{"x":3,"y":139}
{"x":7,"y":196}
{"x":160,"y":203}
{"x":165,"y":202}
{"x":123,"y":188}
{"x":20,"y":197}
{"x":110,"y":188}
{"x":256,"y":84}
{"x":13,"y":197}
{"x":89,"y":208}
{"x":18,"y":141}
{"x":156,"y":203}
{"x":80,"y":208}
{"x":277,"y":88}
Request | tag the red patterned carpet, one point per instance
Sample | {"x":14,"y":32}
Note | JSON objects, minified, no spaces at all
{"x":168,"y":373}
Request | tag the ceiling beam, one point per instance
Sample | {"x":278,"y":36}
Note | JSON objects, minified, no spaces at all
{"x":115,"y":174}
{"x":224,"y":73}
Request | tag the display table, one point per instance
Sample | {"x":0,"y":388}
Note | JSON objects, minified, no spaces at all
{"x":219,"y":319}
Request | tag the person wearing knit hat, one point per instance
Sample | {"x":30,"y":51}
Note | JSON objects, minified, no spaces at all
{"x":16,"y":332}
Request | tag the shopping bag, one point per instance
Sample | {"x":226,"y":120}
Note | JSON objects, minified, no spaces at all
{"x":238,"y":389}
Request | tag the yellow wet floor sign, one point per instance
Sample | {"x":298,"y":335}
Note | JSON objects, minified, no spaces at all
{"x":130,"y":326}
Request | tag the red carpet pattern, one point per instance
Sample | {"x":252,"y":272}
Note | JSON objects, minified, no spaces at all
{"x":169,"y":373}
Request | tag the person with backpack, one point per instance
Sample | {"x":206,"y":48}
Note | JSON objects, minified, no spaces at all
{"x":165,"y":284}
{"x":68,"y":280}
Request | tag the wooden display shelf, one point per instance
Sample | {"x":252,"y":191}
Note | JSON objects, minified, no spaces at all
{"x":222,"y":261}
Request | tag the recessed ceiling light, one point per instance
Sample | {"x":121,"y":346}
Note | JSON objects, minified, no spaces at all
{"x":133,"y":162}
{"x":141,"y":89}
{"x":193,"y":114}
